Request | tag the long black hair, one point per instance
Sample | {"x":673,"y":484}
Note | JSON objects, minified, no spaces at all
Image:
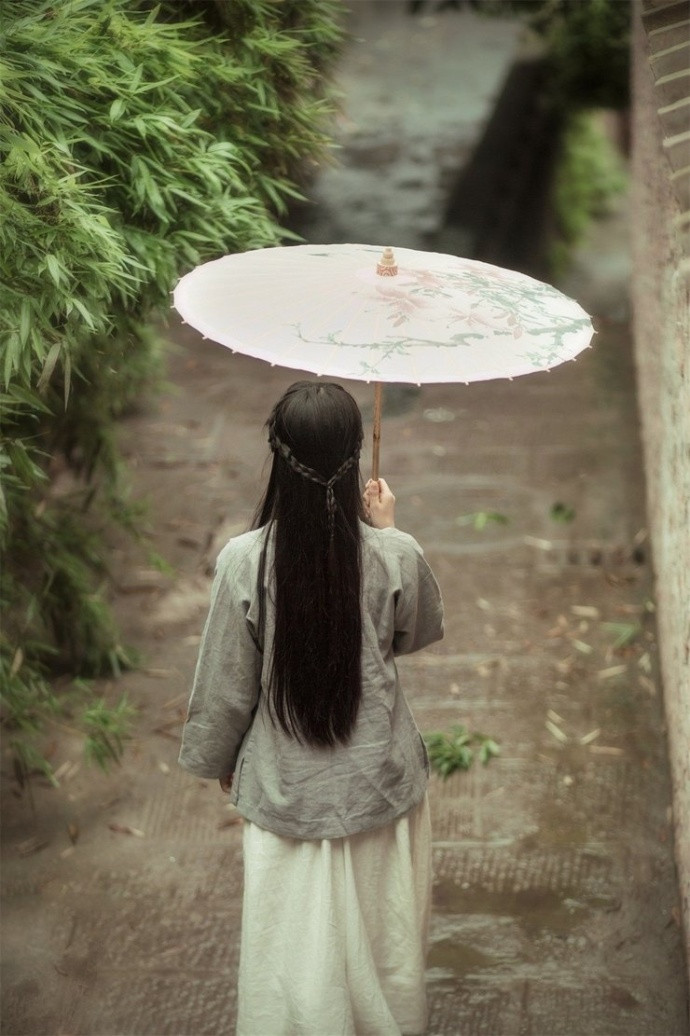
{"x":313,"y":503}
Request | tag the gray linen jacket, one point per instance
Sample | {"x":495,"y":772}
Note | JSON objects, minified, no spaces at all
{"x":298,"y":790}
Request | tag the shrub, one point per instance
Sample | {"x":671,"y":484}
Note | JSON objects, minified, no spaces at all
{"x":137,"y":141}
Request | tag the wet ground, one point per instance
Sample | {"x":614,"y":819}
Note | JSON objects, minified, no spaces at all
{"x":555,"y":901}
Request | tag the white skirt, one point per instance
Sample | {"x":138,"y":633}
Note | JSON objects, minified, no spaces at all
{"x":334,"y":932}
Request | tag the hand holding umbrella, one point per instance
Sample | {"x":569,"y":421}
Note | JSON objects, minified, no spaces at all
{"x":379,"y":503}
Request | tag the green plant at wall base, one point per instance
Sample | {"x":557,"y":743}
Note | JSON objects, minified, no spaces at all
{"x":137,"y":140}
{"x":480,"y":519}
{"x":589,"y":175}
{"x":562,"y":513}
{"x":624,"y":633}
{"x":457,"y":749}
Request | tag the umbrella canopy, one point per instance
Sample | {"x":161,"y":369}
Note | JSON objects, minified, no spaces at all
{"x":325,"y":309}
{"x":357,"y":311}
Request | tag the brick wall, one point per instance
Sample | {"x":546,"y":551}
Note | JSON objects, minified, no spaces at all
{"x":661,"y":301}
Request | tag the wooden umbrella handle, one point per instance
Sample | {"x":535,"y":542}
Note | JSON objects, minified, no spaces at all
{"x":378,"y":392}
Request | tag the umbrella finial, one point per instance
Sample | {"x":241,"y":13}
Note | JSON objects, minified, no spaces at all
{"x":387,"y":266}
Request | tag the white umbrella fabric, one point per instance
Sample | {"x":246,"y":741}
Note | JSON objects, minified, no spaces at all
{"x":358,"y":311}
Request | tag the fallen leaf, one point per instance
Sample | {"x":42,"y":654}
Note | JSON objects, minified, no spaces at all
{"x":605,"y":750}
{"x":534,"y":541}
{"x":614,"y":670}
{"x":179,"y":699}
{"x":585,"y":611}
{"x":556,"y":732}
{"x":32,"y":845}
{"x":648,"y":685}
{"x":645,"y":663}
{"x":592,"y":736}
{"x":630,"y":609}
{"x":125,"y":829}
{"x":61,"y":770}
{"x":579,"y":645}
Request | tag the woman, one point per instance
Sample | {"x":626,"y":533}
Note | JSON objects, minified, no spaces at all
{"x":297,"y":709}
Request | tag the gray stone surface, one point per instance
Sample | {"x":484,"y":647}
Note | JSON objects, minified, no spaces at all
{"x":555,"y":901}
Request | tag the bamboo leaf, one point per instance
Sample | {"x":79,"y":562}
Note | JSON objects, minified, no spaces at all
{"x":49,"y":366}
{"x":12,"y":357}
{"x":86,"y":315}
{"x":67,"y":365}
{"x":24,"y":321}
{"x":53,"y":268}
{"x":116,"y":109}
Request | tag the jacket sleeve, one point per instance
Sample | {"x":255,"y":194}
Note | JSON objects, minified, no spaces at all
{"x":418,"y":605}
{"x":227,"y":681}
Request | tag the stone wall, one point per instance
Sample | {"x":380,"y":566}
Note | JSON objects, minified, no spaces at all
{"x":661,"y":301}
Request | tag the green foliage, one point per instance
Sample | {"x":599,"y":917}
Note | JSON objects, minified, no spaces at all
{"x":562,"y":513}
{"x":457,"y":748}
{"x":107,"y":729}
{"x":587,"y":46}
{"x":137,"y":141}
{"x":27,"y":702}
{"x":589,"y":52}
{"x":589,"y":175}
{"x":624,"y":633}
{"x":480,"y":519}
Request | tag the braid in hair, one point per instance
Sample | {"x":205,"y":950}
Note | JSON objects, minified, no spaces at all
{"x":313,"y":476}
